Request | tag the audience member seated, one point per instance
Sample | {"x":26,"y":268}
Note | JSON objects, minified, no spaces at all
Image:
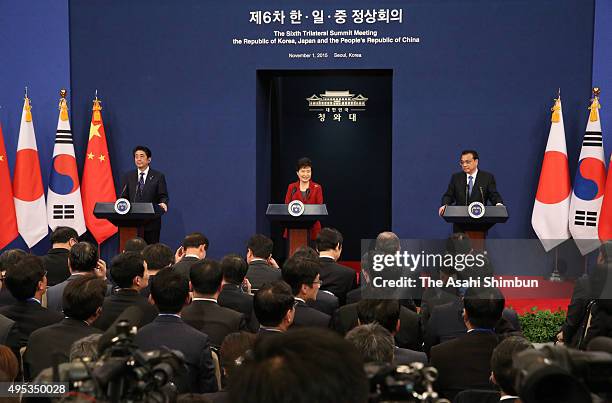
{"x":302,"y":275}
{"x":503,"y":374}
{"x":55,"y":261}
{"x":235,"y":291}
{"x":170,"y":292}
{"x":436,"y":296}
{"x":601,"y":311}
{"x":82,"y":302}
{"x":308,"y":365}
{"x":409,"y":335}
{"x":465,"y":362}
{"x":204,"y":313}
{"x":374,"y":342}
{"x":194,"y":246}
{"x":337,"y":279}
{"x":262,"y":266}
{"x":135,"y":245}
{"x":8,"y":258}
{"x":9,"y":369}
{"x":231,"y":355}
{"x":129,"y":273}
{"x":82,"y":260}
{"x":158,"y":256}
{"x":387,"y":314}
{"x":9,"y":333}
{"x":326,"y":302}
{"x":274,"y":307}
{"x":27,"y":281}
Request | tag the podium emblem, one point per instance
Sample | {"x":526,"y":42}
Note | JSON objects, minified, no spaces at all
{"x":122,"y":206}
{"x":295,"y":208}
{"x":476,"y":210}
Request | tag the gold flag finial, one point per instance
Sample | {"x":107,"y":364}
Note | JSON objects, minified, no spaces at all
{"x":97,"y":107}
{"x":556,"y":110}
{"x":63,"y":105}
{"x":594,"y":115}
{"x":27,"y":106}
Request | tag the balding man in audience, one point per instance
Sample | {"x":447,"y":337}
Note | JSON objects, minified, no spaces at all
{"x":337,"y":279}
{"x":374,"y":342}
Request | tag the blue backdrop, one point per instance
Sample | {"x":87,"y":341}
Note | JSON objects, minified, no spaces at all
{"x":483,"y":75}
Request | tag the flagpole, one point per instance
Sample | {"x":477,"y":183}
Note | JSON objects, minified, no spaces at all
{"x":554,"y":276}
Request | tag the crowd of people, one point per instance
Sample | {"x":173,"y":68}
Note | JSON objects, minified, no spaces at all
{"x":250,"y":330}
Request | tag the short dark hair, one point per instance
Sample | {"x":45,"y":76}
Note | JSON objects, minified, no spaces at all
{"x":83,"y":296}
{"x":473,"y":152}
{"x":234,"y":347}
{"x":63,"y":235}
{"x":9,"y":258}
{"x":294,"y":357}
{"x":169,"y":290}
{"x":145,"y":149}
{"x":134,"y":245}
{"x":501,"y":362}
{"x":125,"y":266}
{"x":374,"y":342}
{"x":260,"y":245}
{"x":298,"y":270}
{"x":83,"y":257}
{"x":22,"y":279}
{"x":385,"y":312}
{"x":483,"y":306}
{"x":272,"y":302}
{"x":234,"y":268}
{"x":206,"y":276}
{"x":158,"y":256}
{"x":195,"y":240}
{"x":303,"y":162}
{"x":306,"y":252}
{"x":328,"y":239}
{"x":387,"y":242}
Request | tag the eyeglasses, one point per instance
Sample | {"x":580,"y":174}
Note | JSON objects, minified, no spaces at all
{"x":467,"y":162}
{"x":320,"y":282}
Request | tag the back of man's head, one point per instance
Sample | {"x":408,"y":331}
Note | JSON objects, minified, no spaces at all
{"x":272,"y":302}
{"x":125,"y":266}
{"x":158,"y":256}
{"x":298,"y":271}
{"x":458,"y":244}
{"x":328,"y":239}
{"x":169,"y":291}
{"x":385,"y":312}
{"x":261,"y":246}
{"x":63,"y":235}
{"x":387,"y":242}
{"x":233,"y":351}
{"x":306,"y":252}
{"x":23,"y":278}
{"x":83,"y":296}
{"x":234,"y":269}
{"x":9,"y":258}
{"x":195,"y":240}
{"x":83,"y":257}
{"x":282,"y":368}
{"x":374,"y":342}
{"x":86,"y":347}
{"x":206,"y":276}
{"x":483,"y":306}
{"x":135,"y":245}
{"x":501,"y":362}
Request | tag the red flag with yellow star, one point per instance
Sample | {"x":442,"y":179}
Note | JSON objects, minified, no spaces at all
{"x":8,"y":219}
{"x":97,"y":184}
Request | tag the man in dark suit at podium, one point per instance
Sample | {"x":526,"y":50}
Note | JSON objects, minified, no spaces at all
{"x":146,"y":185}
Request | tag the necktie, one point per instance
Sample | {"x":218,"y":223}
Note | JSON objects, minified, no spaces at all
{"x":470,"y":184}
{"x":141,"y":185}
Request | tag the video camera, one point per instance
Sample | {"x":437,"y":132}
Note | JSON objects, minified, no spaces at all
{"x":402,"y":383}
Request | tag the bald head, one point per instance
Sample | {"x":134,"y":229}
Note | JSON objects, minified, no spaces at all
{"x":387,"y":242}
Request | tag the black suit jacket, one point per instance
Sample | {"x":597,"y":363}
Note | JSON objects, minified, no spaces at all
{"x":155,"y":191}
{"x":173,"y":333}
{"x":115,"y":304}
{"x":326,"y":302}
{"x":214,"y":320}
{"x":405,"y":356}
{"x":6,"y":298}
{"x":232,"y":297}
{"x":464,"y":363}
{"x":55,"y":263}
{"x":306,"y":316}
{"x":337,"y":279}
{"x":260,"y":272}
{"x":50,"y":340}
{"x":184,"y":265}
{"x":456,"y":192}
{"x":9,"y":333}
{"x":30,"y":315}
{"x":55,"y":293}
{"x":409,"y":335}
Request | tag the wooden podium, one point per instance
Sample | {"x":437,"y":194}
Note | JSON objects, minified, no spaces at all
{"x":298,"y":227}
{"x":475,"y":228}
{"x":138,"y":215}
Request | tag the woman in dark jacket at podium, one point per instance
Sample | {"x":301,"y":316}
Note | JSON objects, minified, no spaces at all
{"x":305,"y":190}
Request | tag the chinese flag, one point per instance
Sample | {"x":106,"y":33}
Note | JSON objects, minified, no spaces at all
{"x":97,"y":184}
{"x":8,"y":220}
{"x":605,"y":219}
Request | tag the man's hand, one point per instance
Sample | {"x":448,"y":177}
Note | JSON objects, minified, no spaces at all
{"x":246,"y":286}
{"x":164,"y":206}
{"x":101,"y":269}
{"x":179,"y":254}
{"x":560,"y":339}
{"x":441,"y":210}
{"x":273,"y":263}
